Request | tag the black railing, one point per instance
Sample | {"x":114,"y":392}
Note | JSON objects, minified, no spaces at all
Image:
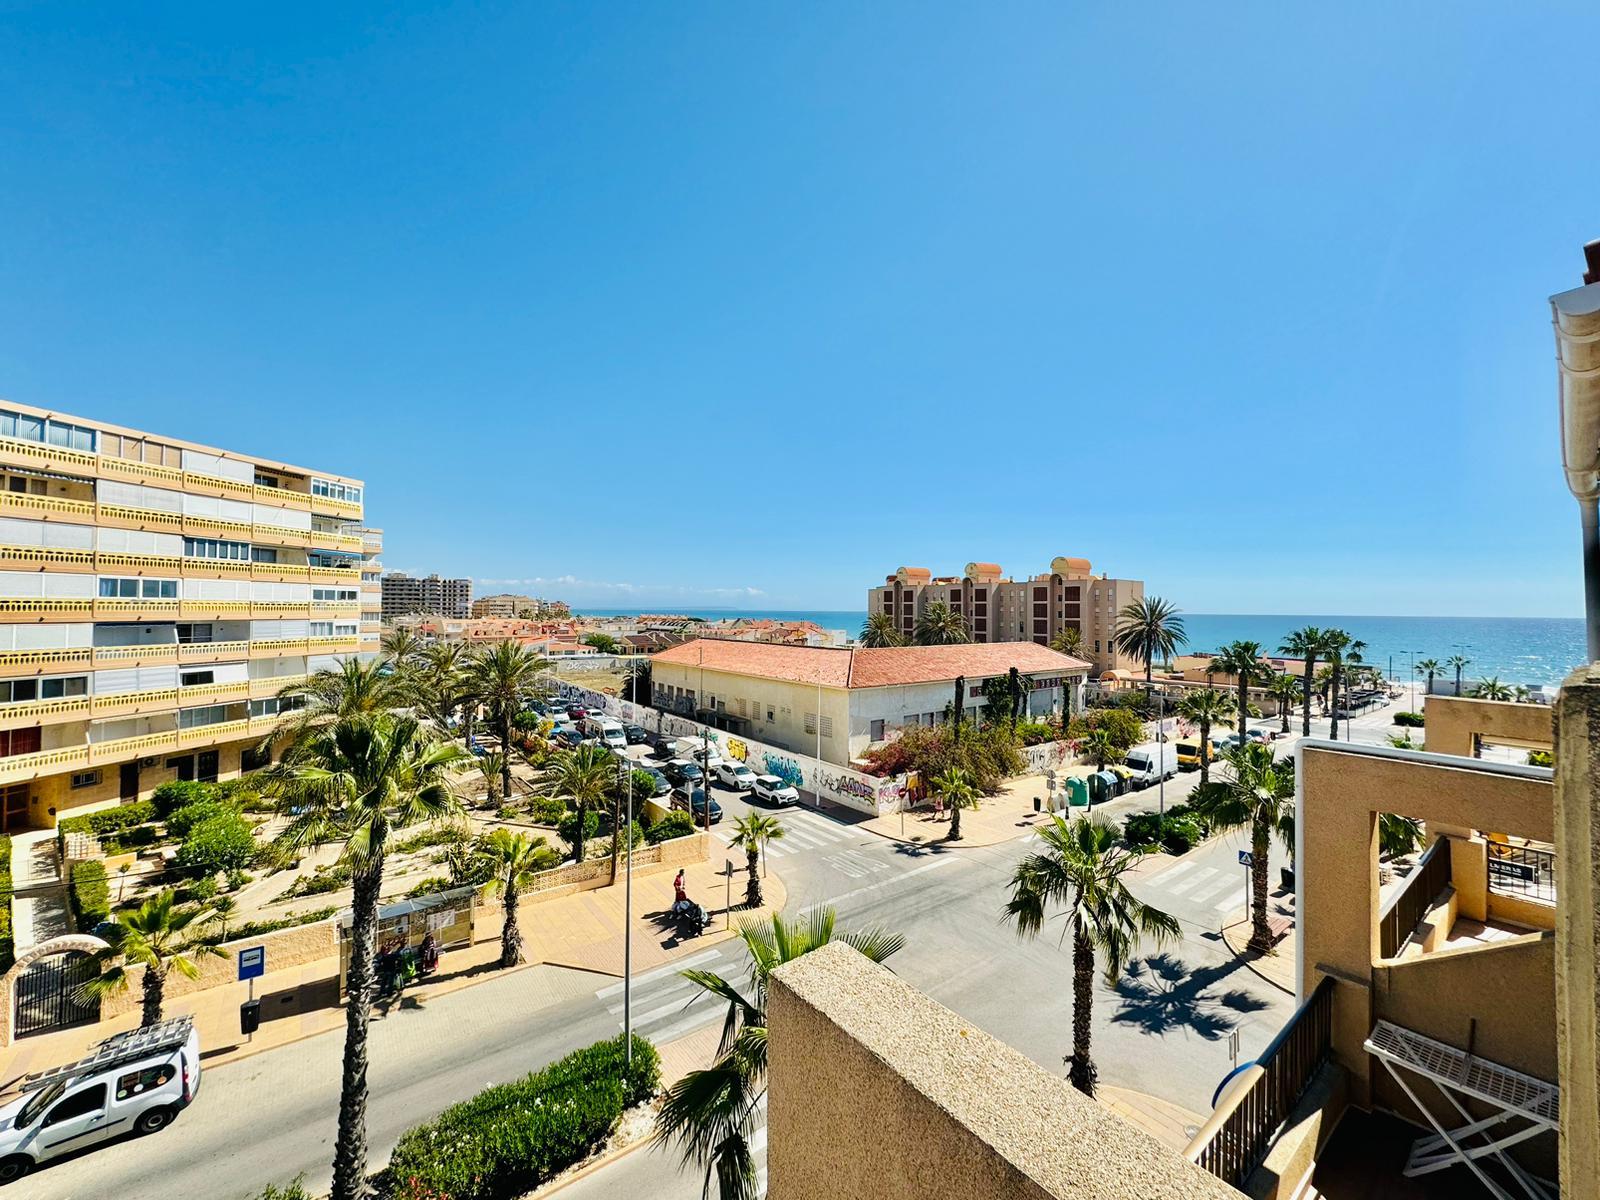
{"x":1525,"y":871}
{"x":1415,"y":897}
{"x":1241,"y":1141}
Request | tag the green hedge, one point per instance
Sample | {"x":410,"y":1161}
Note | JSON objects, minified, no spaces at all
{"x":675,"y":824}
{"x":252,"y":929}
{"x":90,"y":895}
{"x":7,"y":948}
{"x":222,"y":842}
{"x":1414,"y":720}
{"x":511,"y":1138}
{"x":180,"y":793}
{"x":1179,"y":830}
{"x":109,"y":820}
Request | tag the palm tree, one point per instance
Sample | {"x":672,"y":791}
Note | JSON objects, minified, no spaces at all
{"x":1491,"y":689}
{"x":1335,"y":642}
{"x":1099,"y":745}
{"x":753,"y":831}
{"x":710,"y":1115}
{"x":353,"y":688}
{"x":583,"y":778}
{"x":636,"y":681}
{"x":1258,"y":792}
{"x":494,"y":766}
{"x":1147,"y":627}
{"x":1305,"y":644}
{"x":505,"y":677}
{"x":1069,"y":641}
{"x":1242,"y":660}
{"x":603,"y":643}
{"x":1206,"y":707}
{"x":878,"y":631}
{"x":159,"y":936}
{"x":1285,"y":689}
{"x":1459,"y":663}
{"x":1398,"y":835}
{"x":1081,"y":867}
{"x":1429,"y":667}
{"x":356,"y":781}
{"x":516,"y":858}
{"x":941,"y":625}
{"x":402,"y":647}
{"x":440,"y":684}
{"x":958,"y":792}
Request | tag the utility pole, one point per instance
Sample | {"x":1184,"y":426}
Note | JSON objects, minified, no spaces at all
{"x":627,"y":929}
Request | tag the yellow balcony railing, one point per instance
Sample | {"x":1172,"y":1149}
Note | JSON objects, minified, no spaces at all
{"x":135,"y":610}
{"x":38,"y":662}
{"x":282,"y":535}
{"x":272,"y":685}
{"x":208,"y":610}
{"x":337,"y":574}
{"x":123,"y":704}
{"x":111,"y":467}
{"x":194,"y":481}
{"x":221,"y":731}
{"x":283,"y":497}
{"x":18,"y":767}
{"x":39,"y":712}
{"x":48,"y":507}
{"x":48,"y":610}
{"x":213,"y":651}
{"x":153,"y":653}
{"x":213,"y":693}
{"x":46,"y":558}
{"x":196,"y":525}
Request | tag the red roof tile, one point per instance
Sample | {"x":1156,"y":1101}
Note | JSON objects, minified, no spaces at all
{"x":888,"y":667}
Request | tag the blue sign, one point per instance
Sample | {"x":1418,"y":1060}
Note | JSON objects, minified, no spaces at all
{"x":252,"y":963}
{"x":1246,"y":859}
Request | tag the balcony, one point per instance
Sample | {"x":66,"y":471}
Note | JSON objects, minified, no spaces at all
{"x":19,"y":768}
{"x":79,"y":609}
{"x":41,"y":558}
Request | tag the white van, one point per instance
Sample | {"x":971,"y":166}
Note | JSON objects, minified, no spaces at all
{"x":134,"y":1082}
{"x":1151,"y":763}
{"x":699,"y":750}
{"x":605,"y":730}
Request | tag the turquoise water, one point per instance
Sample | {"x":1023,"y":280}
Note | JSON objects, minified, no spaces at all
{"x":1526,"y":650}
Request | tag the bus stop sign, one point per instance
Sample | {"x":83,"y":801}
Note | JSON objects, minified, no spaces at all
{"x":252,"y":962}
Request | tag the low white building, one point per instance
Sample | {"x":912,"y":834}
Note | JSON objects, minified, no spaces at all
{"x":835,"y":703}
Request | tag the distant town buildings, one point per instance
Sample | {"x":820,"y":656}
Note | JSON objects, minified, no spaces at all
{"x":405,"y":594}
{"x":998,"y":608}
{"x":510,"y":604}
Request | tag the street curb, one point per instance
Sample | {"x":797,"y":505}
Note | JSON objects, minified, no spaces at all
{"x":1248,"y":957}
{"x":963,"y":844}
{"x":587,"y":1169}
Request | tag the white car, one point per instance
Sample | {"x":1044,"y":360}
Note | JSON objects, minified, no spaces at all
{"x":735,"y":775}
{"x":774,"y":790}
{"x":134,"y":1082}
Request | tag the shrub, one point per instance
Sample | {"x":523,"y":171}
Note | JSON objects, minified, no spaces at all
{"x":137,"y":838}
{"x":1125,"y":729}
{"x":567,"y":828}
{"x":322,"y":880}
{"x":1179,"y":830}
{"x":90,"y":895}
{"x":7,"y":946}
{"x":295,"y":1190}
{"x":547,"y":810}
{"x":184,"y":819}
{"x":253,"y":929}
{"x":197,"y":890}
{"x":989,"y":755}
{"x":179,"y":793}
{"x":511,"y":1138}
{"x":674,"y":825}
{"x":1414,"y":720}
{"x":430,"y":885}
{"x":1541,"y":758}
{"x":439,"y":835}
{"x":219,"y":843}
{"x":107,"y":821}
{"x":1034,"y":733}
{"x":237,"y":879}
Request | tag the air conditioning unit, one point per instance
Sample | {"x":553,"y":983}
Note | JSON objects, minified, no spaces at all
{"x":152,"y":761}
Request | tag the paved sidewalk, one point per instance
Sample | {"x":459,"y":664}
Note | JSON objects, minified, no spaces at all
{"x":1171,"y":1124}
{"x":39,"y":908}
{"x":1276,"y":968}
{"x":582,"y":931}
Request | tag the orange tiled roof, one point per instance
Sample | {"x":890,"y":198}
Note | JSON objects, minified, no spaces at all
{"x":888,"y":667}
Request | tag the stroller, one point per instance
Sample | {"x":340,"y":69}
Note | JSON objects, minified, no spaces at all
{"x":690,"y":918}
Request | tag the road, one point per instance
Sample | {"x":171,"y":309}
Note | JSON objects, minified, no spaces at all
{"x":1163,"y":1029}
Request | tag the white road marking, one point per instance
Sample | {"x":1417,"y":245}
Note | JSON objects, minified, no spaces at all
{"x":873,"y":887}
{"x":693,"y":960}
{"x":1237,"y":900}
{"x":1172,"y":872}
{"x":1201,"y":895}
{"x":1204,"y":874}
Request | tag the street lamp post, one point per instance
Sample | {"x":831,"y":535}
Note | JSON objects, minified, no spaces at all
{"x":627,"y":925}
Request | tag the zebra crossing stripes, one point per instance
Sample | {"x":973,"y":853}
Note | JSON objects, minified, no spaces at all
{"x":668,"y":1006}
{"x":802,"y":831}
{"x":856,"y":865}
{"x":1220,"y":888}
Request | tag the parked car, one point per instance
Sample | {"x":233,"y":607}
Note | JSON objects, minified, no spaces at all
{"x":734,"y":775}
{"x":692,"y":800}
{"x":665,"y":750}
{"x":663,"y":784}
{"x":772,"y":790}
{"x":1151,"y":763}
{"x":133,"y":1082}
{"x":577,"y":712}
{"x":565,"y":738}
{"x":682,"y":771}
{"x":635,"y":734}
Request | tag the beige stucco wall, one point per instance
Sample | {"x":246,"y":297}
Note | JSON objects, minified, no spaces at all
{"x":1450,"y":723}
{"x":1341,"y":793}
{"x":1578,"y":921}
{"x":875,"y":1092}
{"x":790,"y":702}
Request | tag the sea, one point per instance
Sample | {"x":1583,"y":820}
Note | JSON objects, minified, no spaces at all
{"x":1531,"y":651}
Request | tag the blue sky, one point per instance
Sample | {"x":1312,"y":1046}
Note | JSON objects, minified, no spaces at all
{"x":731,"y":304}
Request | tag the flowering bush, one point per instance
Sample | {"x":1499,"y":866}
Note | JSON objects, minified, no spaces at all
{"x":511,"y":1138}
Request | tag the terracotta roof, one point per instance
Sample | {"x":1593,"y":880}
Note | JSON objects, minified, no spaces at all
{"x":888,"y":667}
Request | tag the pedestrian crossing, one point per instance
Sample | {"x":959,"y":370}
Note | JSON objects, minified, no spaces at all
{"x":668,"y":1006}
{"x":1221,"y":889}
{"x":802,"y":831}
{"x":853,"y":864}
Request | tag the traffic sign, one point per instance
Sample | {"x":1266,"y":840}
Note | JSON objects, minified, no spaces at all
{"x":1246,"y":859}
{"x":252,"y":962}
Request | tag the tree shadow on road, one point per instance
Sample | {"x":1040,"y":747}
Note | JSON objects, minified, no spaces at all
{"x":1159,"y":993}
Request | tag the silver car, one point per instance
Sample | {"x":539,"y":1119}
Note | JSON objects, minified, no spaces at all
{"x":772,"y":790}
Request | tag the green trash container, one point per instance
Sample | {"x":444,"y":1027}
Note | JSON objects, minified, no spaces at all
{"x":1102,"y":786}
{"x":1077,"y":792}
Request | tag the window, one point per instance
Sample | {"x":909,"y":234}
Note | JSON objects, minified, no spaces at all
{"x":270,"y":481}
{"x":38,"y":429}
{"x":811,"y":722}
{"x":213,"y":548}
{"x":143,"y":1080}
{"x":83,"y":779}
{"x":63,"y":688}
{"x":875,"y":731}
{"x":196,"y":633}
{"x":80,"y":1104}
{"x":336,"y":491}
{"x":771,"y":716}
{"x":209,"y":714}
{"x":193,"y":678}
{"x":138,"y":589}
{"x":335,"y":594}
{"x":264,"y":554}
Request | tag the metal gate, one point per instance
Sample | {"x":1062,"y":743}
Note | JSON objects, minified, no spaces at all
{"x":47,"y":993}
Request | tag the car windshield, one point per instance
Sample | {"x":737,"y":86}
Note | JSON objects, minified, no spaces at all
{"x":45,"y":1097}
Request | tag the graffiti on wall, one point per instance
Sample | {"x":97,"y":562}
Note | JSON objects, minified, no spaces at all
{"x":785,"y":769}
{"x":737,"y":750}
{"x":834,"y":784}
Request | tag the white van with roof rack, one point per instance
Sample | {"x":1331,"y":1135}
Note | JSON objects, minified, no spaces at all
{"x":134,"y":1082}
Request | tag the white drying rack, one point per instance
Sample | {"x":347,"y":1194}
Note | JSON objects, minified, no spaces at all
{"x":1525,"y":1107}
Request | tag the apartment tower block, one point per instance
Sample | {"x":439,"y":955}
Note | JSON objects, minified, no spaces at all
{"x":155,"y":597}
{"x":1000,"y":609}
